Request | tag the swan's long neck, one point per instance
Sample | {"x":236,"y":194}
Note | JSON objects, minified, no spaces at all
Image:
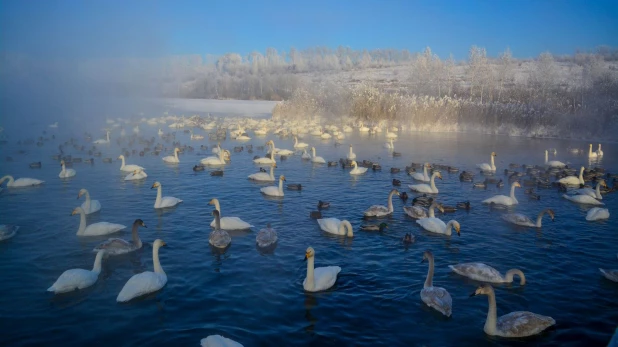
{"x":272,"y":152}
{"x":82,"y":222}
{"x":449,"y":228}
{"x":7,"y":177}
{"x":509,"y":276}
{"x":392,"y":145}
{"x":493,"y":166}
{"x":390,"y":201}
{"x":63,"y":168}
{"x":590,"y":151}
{"x":97,"y":262}
{"x":155,"y":260}
{"x":159,"y":191}
{"x":539,"y":218}
{"x":598,"y":191}
{"x":108,"y":137}
{"x":176,"y":154}
{"x":351,"y":151}
{"x":429,"y":280}
{"x":272,"y":172}
{"x":513,"y":192}
{"x":135,"y":236}
{"x":218,"y":207}
{"x":313,"y":151}
{"x":432,"y":213}
{"x":581,"y":175}
{"x":280,"y":186}
{"x":310,"y":279}
{"x":218,"y":221}
{"x":346,"y":225}
{"x":122,"y":158}
{"x":433,"y":182}
{"x":87,"y":200}
{"x":425,"y":171}
{"x":222,"y":155}
{"x":490,"y":323}
{"x":546,"y":157}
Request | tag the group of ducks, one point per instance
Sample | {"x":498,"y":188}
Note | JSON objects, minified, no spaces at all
{"x":515,"y":324}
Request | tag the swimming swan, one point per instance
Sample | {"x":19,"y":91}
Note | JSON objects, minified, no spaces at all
{"x":218,"y":160}
{"x":424,"y":188}
{"x":514,"y":324}
{"x":488,"y":167}
{"x":219,"y":238}
{"x":228,"y":223}
{"x":20,"y":182}
{"x":599,"y":151}
{"x":274,"y":190}
{"x":136,"y":175}
{"x":418,"y":212}
{"x":573,"y":180}
{"x":264,"y":160}
{"x":351,"y":154}
{"x":218,"y":341}
{"x":145,"y":282}
{"x":595,"y":193}
{"x":172,"y":159}
{"x":437,"y":298}
{"x":130,"y":167}
{"x":436,"y":225}
{"x":583,"y":199}
{"x":263,"y":176}
{"x":503,"y":199}
{"x":320,"y":278}
{"x":315,"y":158}
{"x":166,"y":201}
{"x":73,"y":279}
{"x":103,"y":141}
{"x":380,"y":210}
{"x":66,"y":173}
{"x":7,"y":231}
{"x":266,"y":237}
{"x":117,"y":246}
{"x":485,"y":273}
{"x":357,"y":170}
{"x":597,"y":213}
{"x":299,"y":145}
{"x":94,"y":229}
{"x":423,"y":177}
{"x":336,"y":226}
{"x":592,"y":154}
{"x":89,"y":206}
{"x":553,"y":163}
{"x":520,"y":219}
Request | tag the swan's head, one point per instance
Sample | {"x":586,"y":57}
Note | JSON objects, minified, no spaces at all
{"x":516,"y":185}
{"x":383,"y":226}
{"x":140,"y":223}
{"x":440,"y":208}
{"x":213,"y":201}
{"x":438,"y":175}
{"x":485,"y":289}
{"x":457,"y":227}
{"x":62,"y":163}
{"x":135,"y":172}
{"x":309,"y":253}
{"x":77,"y":210}
{"x":274,"y":165}
{"x":156,"y":185}
{"x":159,"y":243}
{"x":493,"y":154}
{"x":551,"y":214}
{"x":120,"y":157}
{"x":81,"y":192}
{"x":282,"y":178}
{"x":427,"y":255}
{"x":395,"y":191}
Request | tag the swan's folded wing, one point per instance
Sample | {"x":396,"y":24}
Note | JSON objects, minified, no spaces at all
{"x":114,"y":243}
{"x":523,"y":323}
{"x":140,"y":284}
{"x":438,"y":298}
{"x":325,"y":277}
{"x":219,"y":341}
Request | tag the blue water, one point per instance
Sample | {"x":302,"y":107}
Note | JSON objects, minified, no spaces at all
{"x":257,"y":298}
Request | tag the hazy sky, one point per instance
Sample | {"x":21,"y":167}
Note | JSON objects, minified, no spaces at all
{"x":149,"y":28}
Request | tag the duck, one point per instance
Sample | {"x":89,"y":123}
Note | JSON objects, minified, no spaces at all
{"x":437,"y":298}
{"x":336,"y":226}
{"x":146,"y":282}
{"x":95,"y":229}
{"x":321,"y":278}
{"x":423,"y":177}
{"x":136,"y":175}
{"x":7,"y":231}
{"x":219,"y":238}
{"x":515,"y":324}
{"x":424,"y":188}
{"x":323,"y":204}
{"x":482,"y":185}
{"x":463,"y":205}
{"x":217,"y":173}
{"x":553,"y":163}
{"x":218,"y":341}
{"x":403,"y":196}
{"x":263,"y":176}
{"x":378,"y":211}
{"x":522,"y":220}
{"x":436,"y":225}
{"x":199,"y":167}
{"x":351,"y":154}
{"x":503,"y":199}
{"x":295,"y":186}
{"x":274,"y":190}
{"x":408,"y":238}
{"x":228,"y":223}
{"x":573,"y":180}
{"x":315,"y":159}
{"x":166,"y":201}
{"x":485,"y":273}
{"x":583,"y":199}
{"x":418,"y":212}
{"x":379,"y":227}
{"x":357,"y":170}
{"x":117,"y":246}
{"x":74,"y":279}
{"x":488,"y":167}
{"x":172,"y":159}
{"x":128,"y":167}
{"x":66,"y":173}
{"x":597,"y":213}
{"x":89,"y":206}
{"x":266,"y":237}
{"x":35,"y":165}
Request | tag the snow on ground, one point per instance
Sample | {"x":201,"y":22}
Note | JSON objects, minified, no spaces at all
{"x":245,"y":108}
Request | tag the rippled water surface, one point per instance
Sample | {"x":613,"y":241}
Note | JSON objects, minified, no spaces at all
{"x":256,"y":297}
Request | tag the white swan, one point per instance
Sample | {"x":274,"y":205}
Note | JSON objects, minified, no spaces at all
{"x":520,"y":219}
{"x":320,"y":278}
{"x":514,"y":324}
{"x":228,"y":223}
{"x":423,"y":177}
{"x":380,"y":210}
{"x":503,"y":199}
{"x":20,"y":182}
{"x":196,"y":137}
{"x":66,"y":173}
{"x":611,"y":275}
{"x":263,"y":176}
{"x":274,"y":190}
{"x":315,"y":158}
{"x":597,"y":213}
{"x":214,"y":161}
{"x":595,"y":193}
{"x":160,"y":132}
{"x":485,"y":273}
{"x":357,"y":170}
{"x":166,"y":201}
{"x":130,"y":167}
{"x":336,"y":226}
{"x":89,"y":206}
{"x":73,"y":279}
{"x":592,"y":154}
{"x":264,"y":160}
{"x":55,"y":125}
{"x":218,"y":341}
{"x":553,"y":163}
{"x":146,"y":282}
{"x":583,"y":199}
{"x":299,"y":145}
{"x":436,"y":225}
{"x":305,"y":155}
{"x":424,"y":188}
{"x":172,"y":159}
{"x":103,"y":141}
{"x":136,"y":175}
{"x":351,"y":154}
{"x":488,"y":167}
{"x":573,"y":180}
{"x":418,"y":212}
{"x":117,"y":246}
{"x":219,"y":238}
{"x":437,"y":298}
{"x":599,"y":151}
{"x":216,"y":150}
{"x":266,"y":237}
{"x":7,"y":231}
{"x":280,"y":151}
{"x":94,"y":229}
{"x":389,"y":145}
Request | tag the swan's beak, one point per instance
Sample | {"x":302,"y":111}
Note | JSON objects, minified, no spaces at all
{"x":307,"y":255}
{"x":163,"y":243}
{"x":422,"y":261}
{"x":472,"y":294}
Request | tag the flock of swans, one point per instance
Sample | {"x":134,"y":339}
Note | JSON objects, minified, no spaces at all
{"x":514,"y":324}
